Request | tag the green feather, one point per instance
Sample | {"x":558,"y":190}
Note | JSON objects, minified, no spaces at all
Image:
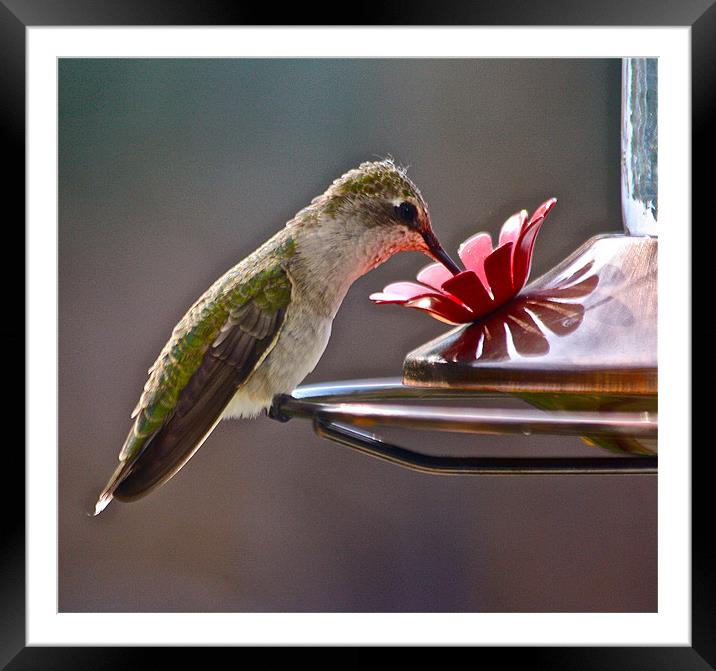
{"x":597,"y":403}
{"x":269,"y":289}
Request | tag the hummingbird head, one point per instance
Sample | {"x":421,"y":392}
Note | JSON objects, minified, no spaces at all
{"x":379,"y":211}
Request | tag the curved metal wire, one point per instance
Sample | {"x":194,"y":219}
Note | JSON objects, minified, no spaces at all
{"x":337,"y":410}
{"x":429,"y":463}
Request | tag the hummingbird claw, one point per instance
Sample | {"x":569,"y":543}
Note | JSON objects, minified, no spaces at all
{"x":275,"y":412}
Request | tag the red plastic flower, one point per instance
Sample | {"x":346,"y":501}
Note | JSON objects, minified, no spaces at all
{"x":532,"y":322}
{"x":492,"y":277}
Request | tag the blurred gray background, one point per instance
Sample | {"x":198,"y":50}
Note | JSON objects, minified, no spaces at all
{"x":170,"y":171}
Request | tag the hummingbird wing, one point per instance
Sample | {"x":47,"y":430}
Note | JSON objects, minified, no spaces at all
{"x":212,"y":352}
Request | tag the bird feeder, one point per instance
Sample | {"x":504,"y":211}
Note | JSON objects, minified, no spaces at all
{"x":579,"y":343}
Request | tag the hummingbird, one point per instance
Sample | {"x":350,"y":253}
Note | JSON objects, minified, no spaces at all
{"x":262,"y":327}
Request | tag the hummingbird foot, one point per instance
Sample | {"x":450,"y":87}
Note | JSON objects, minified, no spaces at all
{"x":275,"y":411}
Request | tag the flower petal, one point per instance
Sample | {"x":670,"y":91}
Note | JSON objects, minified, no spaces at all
{"x":468,"y":288}
{"x":498,"y":268}
{"x":437,"y":304}
{"x":473,"y":253}
{"x":442,"y":308}
{"x":542,"y":211}
{"x":522,"y":256}
{"x":434,"y":275}
{"x":381,"y":298}
{"x":512,"y":228}
{"x":408,"y":290}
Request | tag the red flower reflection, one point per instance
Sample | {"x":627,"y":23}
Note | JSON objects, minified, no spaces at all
{"x":493,"y":276}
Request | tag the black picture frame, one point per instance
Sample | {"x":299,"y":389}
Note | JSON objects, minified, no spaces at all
{"x":17,"y":15}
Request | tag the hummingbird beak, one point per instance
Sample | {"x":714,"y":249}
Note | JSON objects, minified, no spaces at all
{"x":439,"y":254}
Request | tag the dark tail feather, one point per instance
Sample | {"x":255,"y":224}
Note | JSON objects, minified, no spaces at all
{"x":225,"y":366}
{"x":167,"y":452}
{"x":107,"y":494}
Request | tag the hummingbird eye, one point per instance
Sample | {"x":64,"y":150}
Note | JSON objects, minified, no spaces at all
{"x":407,"y":212}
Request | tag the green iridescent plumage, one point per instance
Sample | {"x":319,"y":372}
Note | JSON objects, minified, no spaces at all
{"x":600,"y":403}
{"x":383,"y":178}
{"x":369,"y":179}
{"x":269,"y":289}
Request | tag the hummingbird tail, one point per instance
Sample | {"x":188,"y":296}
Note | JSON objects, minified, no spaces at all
{"x":102,"y":502}
{"x":107,"y":494}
